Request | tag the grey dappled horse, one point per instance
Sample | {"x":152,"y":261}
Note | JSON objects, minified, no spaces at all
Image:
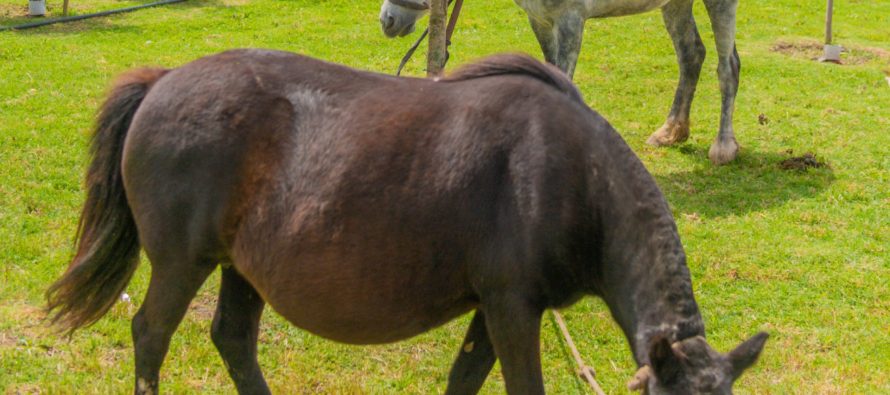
{"x":559,"y":25}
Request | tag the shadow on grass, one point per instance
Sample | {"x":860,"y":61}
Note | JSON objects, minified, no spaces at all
{"x":754,"y":182}
{"x":99,"y":23}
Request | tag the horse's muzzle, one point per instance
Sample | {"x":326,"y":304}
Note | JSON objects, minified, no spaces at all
{"x":393,"y":28}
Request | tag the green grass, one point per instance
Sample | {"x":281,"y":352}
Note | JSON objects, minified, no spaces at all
{"x":803,"y":255}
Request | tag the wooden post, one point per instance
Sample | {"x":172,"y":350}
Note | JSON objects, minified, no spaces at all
{"x":435,"y":56}
{"x":65,"y":8}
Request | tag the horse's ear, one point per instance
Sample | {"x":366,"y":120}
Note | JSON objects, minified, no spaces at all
{"x":666,"y":362}
{"x":743,"y":356}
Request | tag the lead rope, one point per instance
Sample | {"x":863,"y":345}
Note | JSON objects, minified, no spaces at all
{"x":584,"y":371}
{"x":452,"y":22}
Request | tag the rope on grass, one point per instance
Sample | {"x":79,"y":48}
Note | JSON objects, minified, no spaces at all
{"x":584,"y":371}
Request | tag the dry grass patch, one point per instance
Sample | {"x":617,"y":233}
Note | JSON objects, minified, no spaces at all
{"x":13,"y":11}
{"x":812,"y":50}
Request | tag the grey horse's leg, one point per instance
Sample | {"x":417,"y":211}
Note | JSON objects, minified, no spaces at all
{"x":722,"y":14}
{"x":571,"y":29}
{"x":235,"y":329}
{"x":546,"y":35}
{"x":560,"y":40}
{"x":474,"y":361}
{"x":680,"y":24}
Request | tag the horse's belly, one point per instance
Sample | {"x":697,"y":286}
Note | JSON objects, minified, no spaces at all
{"x":388,"y":325}
{"x":609,"y":8}
{"x":554,"y":9}
{"x":363,"y":301}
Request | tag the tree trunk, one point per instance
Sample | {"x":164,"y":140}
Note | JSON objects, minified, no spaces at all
{"x":435,"y":63}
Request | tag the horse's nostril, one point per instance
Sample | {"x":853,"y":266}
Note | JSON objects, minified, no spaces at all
{"x":388,"y":22}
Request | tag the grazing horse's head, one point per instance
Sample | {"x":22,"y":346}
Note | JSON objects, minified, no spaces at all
{"x":691,"y":366}
{"x":397,"y":17}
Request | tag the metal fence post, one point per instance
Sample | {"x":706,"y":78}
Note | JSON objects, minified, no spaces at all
{"x":830,"y":53}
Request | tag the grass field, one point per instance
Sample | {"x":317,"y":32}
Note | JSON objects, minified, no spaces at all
{"x":801,"y":254}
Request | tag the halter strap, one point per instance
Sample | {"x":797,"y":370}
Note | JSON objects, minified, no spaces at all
{"x":452,"y":22}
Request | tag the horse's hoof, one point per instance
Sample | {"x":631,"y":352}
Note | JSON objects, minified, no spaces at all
{"x":672,"y":132}
{"x":723,"y":151}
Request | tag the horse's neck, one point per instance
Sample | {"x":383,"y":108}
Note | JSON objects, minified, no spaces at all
{"x":645,"y":280}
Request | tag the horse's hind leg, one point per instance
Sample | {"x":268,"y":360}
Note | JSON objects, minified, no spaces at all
{"x":173,"y":285}
{"x":680,"y":23}
{"x":234,"y":332}
{"x":722,"y":14}
{"x":474,"y":360}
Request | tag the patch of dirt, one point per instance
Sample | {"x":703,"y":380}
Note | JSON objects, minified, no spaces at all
{"x":693,"y":217}
{"x":762,"y":119}
{"x":24,"y":388}
{"x":812,"y":50}
{"x":203,"y":306}
{"x":733,"y":274}
{"x":28,"y":326}
{"x":9,"y":11}
{"x":801,"y":163}
{"x":7,"y":340}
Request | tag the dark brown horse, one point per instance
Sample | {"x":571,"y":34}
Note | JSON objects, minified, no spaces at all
{"x":368,"y":209}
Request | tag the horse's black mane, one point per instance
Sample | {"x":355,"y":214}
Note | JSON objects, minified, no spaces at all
{"x":517,"y":64}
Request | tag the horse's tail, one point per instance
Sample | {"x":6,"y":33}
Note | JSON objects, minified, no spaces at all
{"x":107,"y":251}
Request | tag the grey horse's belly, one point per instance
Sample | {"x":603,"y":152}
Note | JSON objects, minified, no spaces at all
{"x":550,"y":9}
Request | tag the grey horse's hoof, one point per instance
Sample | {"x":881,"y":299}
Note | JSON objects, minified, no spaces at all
{"x":723,"y":151}
{"x":672,"y":132}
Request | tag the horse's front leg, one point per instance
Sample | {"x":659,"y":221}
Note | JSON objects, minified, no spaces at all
{"x":722,"y":14}
{"x":514,"y":326}
{"x":560,"y":39}
{"x":546,"y":35}
{"x":680,"y":23}
{"x":474,"y":360}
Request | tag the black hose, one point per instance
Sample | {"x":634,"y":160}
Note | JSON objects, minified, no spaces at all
{"x":85,"y":16}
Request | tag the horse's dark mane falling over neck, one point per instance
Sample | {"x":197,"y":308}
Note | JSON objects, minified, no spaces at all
{"x":517,"y":64}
